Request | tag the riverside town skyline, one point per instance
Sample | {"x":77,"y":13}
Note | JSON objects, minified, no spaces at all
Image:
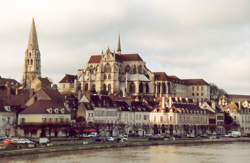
{"x":125,"y":81}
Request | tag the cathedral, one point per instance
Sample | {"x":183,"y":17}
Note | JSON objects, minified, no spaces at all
{"x":115,"y":73}
{"x":32,"y":62}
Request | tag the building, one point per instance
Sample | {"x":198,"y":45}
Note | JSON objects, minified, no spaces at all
{"x":32,"y":62}
{"x":44,"y":118}
{"x":7,"y":120}
{"x":67,"y":84}
{"x":240,"y":115}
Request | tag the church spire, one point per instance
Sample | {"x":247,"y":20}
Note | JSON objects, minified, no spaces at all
{"x":119,"y":45}
{"x":33,"y":43}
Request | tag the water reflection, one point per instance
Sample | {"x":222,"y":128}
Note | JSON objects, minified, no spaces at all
{"x":214,"y":153}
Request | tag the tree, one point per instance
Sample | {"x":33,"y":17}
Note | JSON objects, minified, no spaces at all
{"x":215,"y":91}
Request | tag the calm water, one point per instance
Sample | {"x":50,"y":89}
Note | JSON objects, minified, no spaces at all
{"x":214,"y":153}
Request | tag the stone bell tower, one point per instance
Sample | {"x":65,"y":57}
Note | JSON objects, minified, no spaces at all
{"x":32,"y":62}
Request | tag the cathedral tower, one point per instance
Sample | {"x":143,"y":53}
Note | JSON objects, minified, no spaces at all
{"x":32,"y":62}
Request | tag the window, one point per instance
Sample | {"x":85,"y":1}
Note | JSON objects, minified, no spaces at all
{"x":22,"y":120}
{"x":202,"y":88}
{"x":201,"y":94}
{"x":105,"y":77}
{"x":197,"y":88}
{"x":192,"y":94}
{"x":145,"y":117}
{"x":109,"y":76}
{"x":192,"y":88}
{"x":44,"y":119}
{"x":197,"y":94}
{"x":107,"y":68}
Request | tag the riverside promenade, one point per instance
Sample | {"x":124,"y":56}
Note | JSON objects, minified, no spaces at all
{"x":103,"y":145}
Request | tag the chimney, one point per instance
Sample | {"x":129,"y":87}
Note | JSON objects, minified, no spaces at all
{"x":8,"y":92}
{"x":17,"y":91}
{"x":213,"y":104}
{"x":163,"y":106}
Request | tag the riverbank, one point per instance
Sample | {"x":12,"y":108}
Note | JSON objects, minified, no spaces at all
{"x":93,"y":146}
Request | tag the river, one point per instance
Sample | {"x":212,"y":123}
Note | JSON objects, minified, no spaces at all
{"x":212,"y":153}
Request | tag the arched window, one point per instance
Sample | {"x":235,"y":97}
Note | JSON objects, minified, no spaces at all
{"x":134,"y":69}
{"x":31,"y":61}
{"x":147,"y":88}
{"x":140,"y":69}
{"x":109,"y":88}
{"x":28,"y":62}
{"x":132,"y":88}
{"x":30,"y":54}
{"x":163,"y":88}
{"x":104,"y":87}
{"x":109,"y":76}
{"x":107,"y":68}
{"x":105,"y":77}
{"x":141,"y":88}
{"x":127,"y":68}
{"x":86,"y":87}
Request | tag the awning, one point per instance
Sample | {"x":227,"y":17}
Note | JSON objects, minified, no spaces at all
{"x":89,"y":130}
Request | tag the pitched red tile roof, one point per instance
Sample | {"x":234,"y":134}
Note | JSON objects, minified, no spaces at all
{"x":238,"y":96}
{"x":195,"y":81}
{"x":68,"y":78}
{"x":160,"y":76}
{"x":40,"y":107}
{"x":119,"y":57}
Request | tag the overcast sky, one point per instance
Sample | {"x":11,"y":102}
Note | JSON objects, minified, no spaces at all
{"x":207,"y":39}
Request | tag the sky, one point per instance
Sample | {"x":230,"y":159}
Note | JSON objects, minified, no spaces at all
{"x":207,"y":39}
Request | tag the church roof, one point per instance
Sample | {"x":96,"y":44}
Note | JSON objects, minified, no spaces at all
{"x":33,"y":42}
{"x":119,"y":57}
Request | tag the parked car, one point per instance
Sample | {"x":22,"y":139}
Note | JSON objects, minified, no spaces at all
{"x":92,"y":134}
{"x":235,"y":134}
{"x":190,"y":136}
{"x":23,"y":141}
{"x":3,"y":137}
{"x":121,"y":138}
{"x":100,"y":139}
{"x":8,"y":141}
{"x":110,"y":138}
{"x":156,"y":137}
{"x":40,"y":140}
{"x":133,"y":135}
{"x":148,"y":135}
{"x":167,"y":135}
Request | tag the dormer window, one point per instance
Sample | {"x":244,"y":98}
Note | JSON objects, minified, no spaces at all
{"x":62,"y":110}
{"x":49,"y":110}
{"x":56,"y":110}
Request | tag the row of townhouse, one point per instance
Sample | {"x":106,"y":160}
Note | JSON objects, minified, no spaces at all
{"x":240,"y":114}
{"x":176,"y":116}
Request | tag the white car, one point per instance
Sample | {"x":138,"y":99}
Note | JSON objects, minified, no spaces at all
{"x":110,"y":139}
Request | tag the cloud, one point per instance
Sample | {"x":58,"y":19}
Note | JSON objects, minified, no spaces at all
{"x":187,"y":38}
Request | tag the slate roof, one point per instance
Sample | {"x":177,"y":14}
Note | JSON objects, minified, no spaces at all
{"x":195,"y":81}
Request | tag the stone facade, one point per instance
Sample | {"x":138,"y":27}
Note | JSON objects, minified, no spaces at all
{"x":32,"y":62}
